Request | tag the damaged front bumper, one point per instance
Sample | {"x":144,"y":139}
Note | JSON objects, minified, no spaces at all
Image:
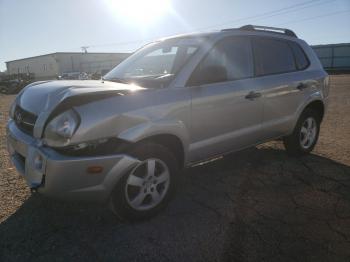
{"x":65,"y":177}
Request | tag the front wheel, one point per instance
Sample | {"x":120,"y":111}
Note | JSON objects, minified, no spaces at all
{"x":305,"y":135}
{"x":147,"y":187}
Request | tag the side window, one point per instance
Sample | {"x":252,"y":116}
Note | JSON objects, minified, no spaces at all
{"x":230,"y":59}
{"x":239,"y":58}
{"x":272,"y":56}
{"x":300,"y":57}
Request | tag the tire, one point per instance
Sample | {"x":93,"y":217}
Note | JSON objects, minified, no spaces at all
{"x":305,"y":135}
{"x":125,"y":200}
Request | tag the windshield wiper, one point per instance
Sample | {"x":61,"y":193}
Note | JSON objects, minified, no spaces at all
{"x":116,"y":79}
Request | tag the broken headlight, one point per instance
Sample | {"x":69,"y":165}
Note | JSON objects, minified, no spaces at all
{"x":60,"y":130}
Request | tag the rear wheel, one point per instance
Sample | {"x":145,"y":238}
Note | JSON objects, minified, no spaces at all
{"x":305,"y":134}
{"x":147,"y":187}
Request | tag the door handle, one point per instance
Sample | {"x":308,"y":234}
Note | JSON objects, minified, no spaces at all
{"x":253,"y":95}
{"x":301,"y":86}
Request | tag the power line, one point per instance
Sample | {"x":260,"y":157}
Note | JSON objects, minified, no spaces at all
{"x":270,"y":13}
{"x":236,"y":20}
{"x":315,"y":17}
{"x":298,"y":9}
{"x":259,"y":16}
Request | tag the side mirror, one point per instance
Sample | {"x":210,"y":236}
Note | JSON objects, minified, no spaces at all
{"x":167,"y":49}
{"x":208,"y":75}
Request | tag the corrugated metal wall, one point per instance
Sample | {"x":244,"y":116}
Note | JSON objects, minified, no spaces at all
{"x":334,"y":57}
{"x":51,"y":65}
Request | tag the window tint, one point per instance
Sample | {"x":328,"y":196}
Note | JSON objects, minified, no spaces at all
{"x":231,"y":59}
{"x":158,"y":62}
{"x":272,"y":56}
{"x":239,"y":58}
{"x":300,"y":57}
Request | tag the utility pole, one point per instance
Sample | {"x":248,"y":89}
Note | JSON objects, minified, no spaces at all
{"x":84,"y":49}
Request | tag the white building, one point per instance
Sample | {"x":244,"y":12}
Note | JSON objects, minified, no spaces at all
{"x":55,"y":64}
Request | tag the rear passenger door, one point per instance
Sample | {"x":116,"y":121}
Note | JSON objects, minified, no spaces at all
{"x":278,"y":73}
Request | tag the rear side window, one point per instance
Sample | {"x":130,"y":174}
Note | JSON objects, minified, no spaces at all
{"x":300,"y":57}
{"x":272,"y":56}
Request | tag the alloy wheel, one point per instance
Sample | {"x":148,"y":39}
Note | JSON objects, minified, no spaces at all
{"x":147,"y":184}
{"x":308,"y":133}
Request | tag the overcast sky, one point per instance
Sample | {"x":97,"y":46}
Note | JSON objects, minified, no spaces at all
{"x":35,"y":27}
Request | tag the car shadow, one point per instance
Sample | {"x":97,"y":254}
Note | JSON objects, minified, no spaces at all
{"x":258,"y":204}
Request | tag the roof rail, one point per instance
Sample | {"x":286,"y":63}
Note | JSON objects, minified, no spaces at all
{"x":278,"y":30}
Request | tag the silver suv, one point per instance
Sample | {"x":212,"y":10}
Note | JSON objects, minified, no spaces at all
{"x":173,"y":103}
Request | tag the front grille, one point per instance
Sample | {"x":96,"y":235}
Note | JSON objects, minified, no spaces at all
{"x":25,"y":120}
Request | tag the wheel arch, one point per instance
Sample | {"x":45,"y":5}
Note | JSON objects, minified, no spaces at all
{"x":173,"y":136}
{"x":316,"y":105}
{"x":171,"y":142}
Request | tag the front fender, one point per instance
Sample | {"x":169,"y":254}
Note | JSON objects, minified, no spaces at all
{"x":161,"y":127}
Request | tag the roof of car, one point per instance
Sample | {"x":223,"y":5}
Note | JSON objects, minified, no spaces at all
{"x":244,"y":30}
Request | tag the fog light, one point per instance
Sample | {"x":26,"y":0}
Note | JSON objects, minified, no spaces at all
{"x":38,"y":162}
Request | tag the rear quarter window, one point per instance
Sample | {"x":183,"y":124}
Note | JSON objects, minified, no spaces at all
{"x":272,"y":56}
{"x":300,"y":56}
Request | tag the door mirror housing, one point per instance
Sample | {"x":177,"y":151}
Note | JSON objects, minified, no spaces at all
{"x":208,"y":75}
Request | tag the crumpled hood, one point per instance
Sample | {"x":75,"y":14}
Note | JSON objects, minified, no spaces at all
{"x":44,"y":96}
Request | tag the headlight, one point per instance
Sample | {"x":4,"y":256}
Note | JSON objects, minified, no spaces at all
{"x":60,"y":130}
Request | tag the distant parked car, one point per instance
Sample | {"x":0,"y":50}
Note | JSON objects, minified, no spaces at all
{"x":176,"y":102}
{"x":69,"y":76}
{"x":96,"y":76}
{"x":9,"y":86}
{"x":13,"y":86}
{"x":83,"y":76}
{"x":74,"y":76}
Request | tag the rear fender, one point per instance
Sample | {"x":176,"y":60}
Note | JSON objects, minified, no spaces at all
{"x":316,"y":96}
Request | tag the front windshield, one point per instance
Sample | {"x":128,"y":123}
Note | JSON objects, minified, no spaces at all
{"x":155,"y":64}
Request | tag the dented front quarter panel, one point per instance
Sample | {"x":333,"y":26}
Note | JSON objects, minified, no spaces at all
{"x":42,"y":98}
{"x":136,"y":116}
{"x":124,"y":111}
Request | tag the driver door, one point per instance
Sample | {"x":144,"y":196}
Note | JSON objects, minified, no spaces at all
{"x":227,"y":108}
